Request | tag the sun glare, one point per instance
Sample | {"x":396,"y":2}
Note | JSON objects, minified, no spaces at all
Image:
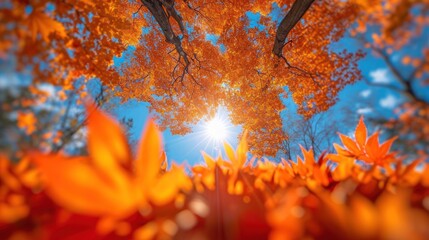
{"x":216,"y":129}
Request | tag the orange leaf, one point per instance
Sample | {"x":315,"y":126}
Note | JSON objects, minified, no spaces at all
{"x":107,"y":145}
{"x":242,"y":150}
{"x":74,"y":184}
{"x":341,"y":151}
{"x":385,"y":147}
{"x":350,"y":144}
{"x":343,"y":170}
{"x":229,"y":151}
{"x":372,"y":146}
{"x":360,"y":133}
{"x":163,"y":191}
{"x":39,"y":22}
{"x":148,"y":161}
{"x":209,"y":160}
{"x":308,"y":156}
{"x":300,"y":167}
{"x":410,"y":168}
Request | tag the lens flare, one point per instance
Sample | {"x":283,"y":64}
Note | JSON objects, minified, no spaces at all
{"x":216,"y":129}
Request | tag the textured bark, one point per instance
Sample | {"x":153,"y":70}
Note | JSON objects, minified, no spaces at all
{"x":162,"y":10}
{"x":297,"y":11}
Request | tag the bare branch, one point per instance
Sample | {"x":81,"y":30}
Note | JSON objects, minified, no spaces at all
{"x":417,"y":70}
{"x":390,"y":65}
{"x":196,"y":9}
{"x":301,"y":71}
{"x":408,"y":89}
{"x":391,"y":87}
{"x":138,"y":10}
{"x":70,"y":132}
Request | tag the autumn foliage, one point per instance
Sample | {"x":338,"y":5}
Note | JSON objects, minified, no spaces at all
{"x":186,"y":59}
{"x":60,"y":42}
{"x":363,"y":191}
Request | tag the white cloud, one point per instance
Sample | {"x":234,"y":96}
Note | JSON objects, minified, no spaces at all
{"x":363,"y":111}
{"x":365,"y":93}
{"x":389,"y":102}
{"x":48,"y":88}
{"x":380,"y":75}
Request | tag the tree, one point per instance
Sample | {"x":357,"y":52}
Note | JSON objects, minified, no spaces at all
{"x":32,"y":118}
{"x":400,"y":30}
{"x":43,"y":117}
{"x":316,"y":133}
{"x":211,"y":53}
{"x":412,"y":115}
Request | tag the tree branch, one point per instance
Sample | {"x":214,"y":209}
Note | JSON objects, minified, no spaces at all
{"x":406,"y":82}
{"x":138,"y":10}
{"x":161,"y":10}
{"x":297,"y":11}
{"x":70,"y":132}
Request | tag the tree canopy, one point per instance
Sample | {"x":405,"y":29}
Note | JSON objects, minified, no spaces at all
{"x":186,"y":58}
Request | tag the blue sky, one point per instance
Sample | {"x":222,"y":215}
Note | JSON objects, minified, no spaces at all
{"x":179,"y":148}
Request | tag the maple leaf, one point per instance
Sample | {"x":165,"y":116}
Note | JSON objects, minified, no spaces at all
{"x":307,"y":168}
{"x":108,"y":182}
{"x":38,"y":22}
{"x":237,"y":160}
{"x":366,"y":148}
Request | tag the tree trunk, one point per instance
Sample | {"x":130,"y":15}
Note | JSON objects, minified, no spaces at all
{"x":298,"y":9}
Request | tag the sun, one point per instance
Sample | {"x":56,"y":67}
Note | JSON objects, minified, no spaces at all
{"x":216,"y":129}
